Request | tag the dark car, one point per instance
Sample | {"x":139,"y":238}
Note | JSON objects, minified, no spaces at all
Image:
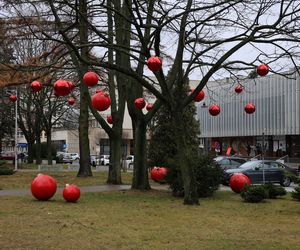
{"x":262,"y":172}
{"x":228,"y":162}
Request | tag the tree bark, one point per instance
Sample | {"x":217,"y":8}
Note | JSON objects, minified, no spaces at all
{"x":189,"y":182}
{"x":140,"y":173}
{"x":38,"y":150}
{"x":84,"y":144}
{"x":30,"y":151}
{"x":114,"y":175}
{"x":49,"y":148}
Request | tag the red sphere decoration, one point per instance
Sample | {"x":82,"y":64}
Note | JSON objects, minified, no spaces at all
{"x":238,"y":89}
{"x":214,"y":110}
{"x":154,"y":63}
{"x":101,"y":101}
{"x":43,"y":187}
{"x":139,"y":103}
{"x":109,"y":119}
{"x":158,"y":173}
{"x":238,"y":181}
{"x":71,"y":193}
{"x":149,"y":106}
{"x":62,"y":88}
{"x":200,"y":96}
{"x":71,"y":101}
{"x":36,"y":86}
{"x":90,"y":79}
{"x":13,"y":98}
{"x":262,"y":70}
{"x":71,"y":85}
{"x":249,"y":108}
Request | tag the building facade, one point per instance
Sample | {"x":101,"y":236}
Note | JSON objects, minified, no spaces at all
{"x":273,"y":129}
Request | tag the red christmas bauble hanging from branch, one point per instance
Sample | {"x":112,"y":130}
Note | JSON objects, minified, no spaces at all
{"x":214,"y":110}
{"x":249,"y":108}
{"x":154,"y":63}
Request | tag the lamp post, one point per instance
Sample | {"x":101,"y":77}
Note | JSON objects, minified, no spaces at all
{"x":16,"y":132}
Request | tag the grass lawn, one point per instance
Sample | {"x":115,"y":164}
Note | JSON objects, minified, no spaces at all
{"x":148,"y":220}
{"x":23,"y":179}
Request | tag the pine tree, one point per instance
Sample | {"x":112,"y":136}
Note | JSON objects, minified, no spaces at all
{"x":162,"y":147}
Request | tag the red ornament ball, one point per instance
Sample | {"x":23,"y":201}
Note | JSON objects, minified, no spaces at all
{"x":43,"y":187}
{"x":71,"y":85}
{"x":158,"y":174}
{"x":36,"y":86}
{"x":61,"y":88}
{"x":238,"y":181}
{"x":262,"y":70}
{"x":90,"y":78}
{"x":200,"y":96}
{"x":139,"y":103}
{"x":71,"y":193}
{"x":71,"y":101}
{"x":101,"y":101}
{"x":214,"y":110}
{"x":238,"y":89}
{"x":13,"y":98}
{"x":149,"y":106}
{"x":109,"y":119}
{"x":249,"y":108}
{"x":154,"y":63}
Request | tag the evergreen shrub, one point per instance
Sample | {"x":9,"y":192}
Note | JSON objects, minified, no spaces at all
{"x":253,"y":193}
{"x":273,"y":191}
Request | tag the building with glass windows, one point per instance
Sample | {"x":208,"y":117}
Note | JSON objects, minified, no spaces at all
{"x":274,"y":128}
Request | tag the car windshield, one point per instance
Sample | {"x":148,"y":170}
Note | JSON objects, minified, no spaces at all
{"x":250,"y":164}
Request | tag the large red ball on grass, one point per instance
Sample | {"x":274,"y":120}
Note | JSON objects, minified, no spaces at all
{"x":71,"y":193}
{"x":43,"y":187}
{"x":238,"y":181}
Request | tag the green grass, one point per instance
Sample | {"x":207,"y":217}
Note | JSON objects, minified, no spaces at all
{"x":23,"y":179}
{"x":148,"y":220}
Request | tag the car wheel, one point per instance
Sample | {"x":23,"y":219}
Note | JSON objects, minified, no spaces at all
{"x":285,"y":182}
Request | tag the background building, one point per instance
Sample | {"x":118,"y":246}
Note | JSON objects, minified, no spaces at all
{"x":274,"y":127}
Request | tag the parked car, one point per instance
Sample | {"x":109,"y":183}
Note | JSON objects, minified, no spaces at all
{"x":229,"y":162}
{"x":263,"y":171}
{"x":74,"y":156}
{"x":104,"y":160}
{"x":129,"y":161}
{"x":63,"y":157}
{"x":94,"y":160}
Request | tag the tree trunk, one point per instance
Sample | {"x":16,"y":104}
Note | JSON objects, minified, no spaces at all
{"x":140,"y":173}
{"x":189,"y":182}
{"x":84,"y":143}
{"x":49,"y":148}
{"x":30,"y":151}
{"x":38,"y":150}
{"x":114,"y":175}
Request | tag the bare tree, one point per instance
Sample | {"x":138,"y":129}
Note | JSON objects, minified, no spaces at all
{"x":193,"y":37}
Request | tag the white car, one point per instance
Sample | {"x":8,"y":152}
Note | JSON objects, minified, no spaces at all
{"x":129,"y":161}
{"x":104,"y":160}
{"x":74,"y":156}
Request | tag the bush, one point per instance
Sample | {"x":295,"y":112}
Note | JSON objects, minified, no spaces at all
{"x":296,"y":193}
{"x":2,"y":162}
{"x":6,"y":171}
{"x":207,"y":173}
{"x":273,"y":191}
{"x":253,"y":194}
